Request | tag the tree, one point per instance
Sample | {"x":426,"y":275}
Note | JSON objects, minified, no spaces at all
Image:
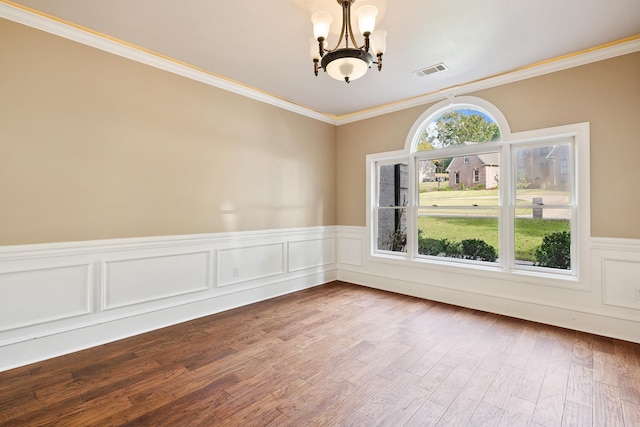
{"x":455,"y":128}
{"x":424,"y":144}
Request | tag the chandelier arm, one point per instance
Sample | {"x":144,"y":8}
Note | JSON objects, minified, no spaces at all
{"x":346,"y":22}
{"x":342,"y":30}
{"x":367,"y":43}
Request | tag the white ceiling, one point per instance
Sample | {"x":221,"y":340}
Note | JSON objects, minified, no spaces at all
{"x":265,"y":44}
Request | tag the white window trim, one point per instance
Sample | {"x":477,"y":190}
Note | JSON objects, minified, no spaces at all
{"x":580,"y":224}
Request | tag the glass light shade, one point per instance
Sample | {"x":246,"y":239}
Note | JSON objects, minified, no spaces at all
{"x":353,"y":68}
{"x":314,"y":50}
{"x":321,"y":24}
{"x":378,"y":41}
{"x":367,"y":18}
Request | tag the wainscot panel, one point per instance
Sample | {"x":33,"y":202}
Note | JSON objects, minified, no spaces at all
{"x":621,"y":278}
{"x":243,"y":264}
{"x":305,"y":254}
{"x":617,"y":267}
{"x":350,"y":246}
{"x":44,"y":294}
{"x":138,"y":280}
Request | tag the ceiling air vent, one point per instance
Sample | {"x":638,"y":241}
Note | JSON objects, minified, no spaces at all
{"x":431,"y":70}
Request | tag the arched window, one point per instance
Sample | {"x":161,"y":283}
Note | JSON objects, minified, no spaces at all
{"x":466,"y":191}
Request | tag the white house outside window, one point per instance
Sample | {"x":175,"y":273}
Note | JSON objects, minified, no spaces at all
{"x":481,"y":197}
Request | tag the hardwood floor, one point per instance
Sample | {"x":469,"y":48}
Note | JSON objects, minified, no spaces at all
{"x":340,"y":355}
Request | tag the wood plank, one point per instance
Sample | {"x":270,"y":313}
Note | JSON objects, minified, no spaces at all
{"x":434,"y":377}
{"x":577,"y":415}
{"x":500,"y":390}
{"x":631,"y":413}
{"x":607,"y":406}
{"x":605,"y":368}
{"x":448,"y":390}
{"x":385,"y":400}
{"x":461,"y":410}
{"x":405,"y":407}
{"x":486,"y":415}
{"x":629,"y":387}
{"x":518,"y":412}
{"x":550,"y":403}
{"x":427,"y":415}
{"x":580,"y":385}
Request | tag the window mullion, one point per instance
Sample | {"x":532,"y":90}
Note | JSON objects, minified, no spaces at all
{"x":506,"y":223}
{"x":412,"y":232}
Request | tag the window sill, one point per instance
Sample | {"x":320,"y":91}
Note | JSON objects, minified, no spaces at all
{"x":563,"y":279}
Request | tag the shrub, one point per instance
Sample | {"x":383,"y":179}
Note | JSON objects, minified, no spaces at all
{"x":555,"y":251}
{"x":451,"y":249}
{"x":478,"y":250}
{"x":474,"y":249}
{"x":438,"y":247}
{"x":398,"y":241}
{"x":427,"y":246}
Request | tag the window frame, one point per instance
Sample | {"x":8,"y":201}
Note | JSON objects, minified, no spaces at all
{"x":580,"y":220}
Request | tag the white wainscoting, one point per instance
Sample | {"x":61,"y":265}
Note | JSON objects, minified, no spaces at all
{"x":617,"y":268}
{"x":60,"y":298}
{"x":311,"y":253}
{"x":44,"y":294}
{"x":130,"y":281}
{"x":248,"y":263}
{"x":351,"y":246}
{"x":606,"y":301}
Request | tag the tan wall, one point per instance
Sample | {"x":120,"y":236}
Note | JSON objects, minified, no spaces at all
{"x":606,"y":94}
{"x":95,"y":146}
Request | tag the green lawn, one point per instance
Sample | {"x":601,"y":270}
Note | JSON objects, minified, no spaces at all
{"x":471,"y":214}
{"x":528,"y":232}
{"x":467,"y":198}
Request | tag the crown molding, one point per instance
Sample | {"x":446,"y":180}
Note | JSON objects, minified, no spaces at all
{"x":54,"y":26}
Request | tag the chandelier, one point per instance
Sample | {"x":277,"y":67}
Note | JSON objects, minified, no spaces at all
{"x":351,"y":61}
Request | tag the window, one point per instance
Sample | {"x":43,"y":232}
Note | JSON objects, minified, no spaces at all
{"x":459,"y":221}
{"x":467,"y":192}
{"x":391,"y":212}
{"x":543,"y":203}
